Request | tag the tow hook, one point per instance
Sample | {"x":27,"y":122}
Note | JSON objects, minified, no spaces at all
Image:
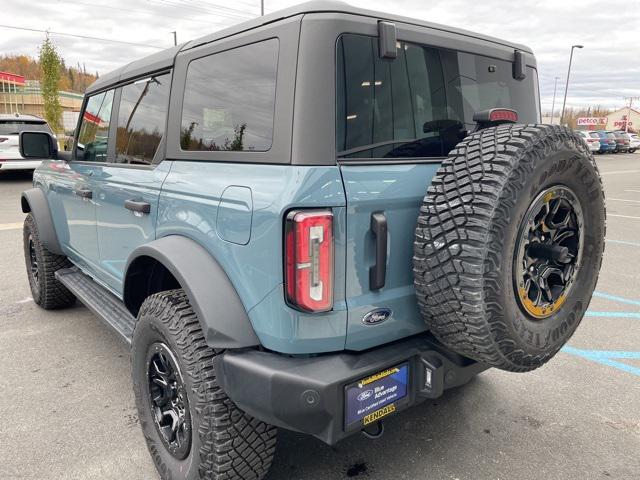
{"x":379,"y":430}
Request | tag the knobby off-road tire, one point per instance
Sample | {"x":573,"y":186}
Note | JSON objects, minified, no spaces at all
{"x":470,"y":228}
{"x":42,"y":265}
{"x":224,"y":443}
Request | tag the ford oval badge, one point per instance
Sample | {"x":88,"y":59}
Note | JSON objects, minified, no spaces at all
{"x":379,"y":315}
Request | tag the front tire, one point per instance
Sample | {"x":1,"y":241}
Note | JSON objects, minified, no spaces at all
{"x":212,"y":438}
{"x":42,"y":265}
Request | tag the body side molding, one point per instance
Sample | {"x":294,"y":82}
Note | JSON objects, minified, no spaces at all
{"x":34,"y":201}
{"x":222,"y":315}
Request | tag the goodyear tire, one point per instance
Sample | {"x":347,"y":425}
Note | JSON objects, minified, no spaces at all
{"x":509,"y":244}
{"x":193,"y":430}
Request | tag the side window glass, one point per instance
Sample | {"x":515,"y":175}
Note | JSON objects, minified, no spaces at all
{"x":141,"y":119}
{"x":94,"y":128}
{"x":229,"y":100}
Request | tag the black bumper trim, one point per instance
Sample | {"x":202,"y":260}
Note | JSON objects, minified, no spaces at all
{"x":306,"y":394}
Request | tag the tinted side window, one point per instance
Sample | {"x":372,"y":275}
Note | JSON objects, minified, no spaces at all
{"x":420,"y":104}
{"x":94,"y":128}
{"x":141,"y":119}
{"x":229,"y":100}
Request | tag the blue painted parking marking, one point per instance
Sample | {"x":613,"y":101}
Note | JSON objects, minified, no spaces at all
{"x":591,"y":313}
{"x":623,"y":242}
{"x":608,"y":358}
{"x":616,"y":298}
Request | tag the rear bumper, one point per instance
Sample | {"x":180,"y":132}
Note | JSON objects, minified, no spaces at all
{"x":308,"y":394}
{"x":19,"y":164}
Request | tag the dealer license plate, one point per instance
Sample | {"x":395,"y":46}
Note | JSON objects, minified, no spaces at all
{"x":375,"y":396}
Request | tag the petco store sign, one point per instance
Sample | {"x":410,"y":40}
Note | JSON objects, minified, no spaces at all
{"x":586,"y":121}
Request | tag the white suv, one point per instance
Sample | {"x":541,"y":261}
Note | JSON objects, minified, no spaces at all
{"x":593,"y":141}
{"x":634,"y":142}
{"x":10,"y":127}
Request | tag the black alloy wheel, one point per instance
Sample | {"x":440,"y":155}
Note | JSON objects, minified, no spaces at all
{"x":548,"y":251}
{"x":168,"y":400}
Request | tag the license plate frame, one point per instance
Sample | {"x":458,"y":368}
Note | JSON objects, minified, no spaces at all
{"x":371,"y":398}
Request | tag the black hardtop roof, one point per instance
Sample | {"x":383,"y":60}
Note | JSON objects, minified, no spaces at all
{"x":165,"y":58}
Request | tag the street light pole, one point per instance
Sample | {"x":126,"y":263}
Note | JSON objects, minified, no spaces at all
{"x":566,"y":87}
{"x":553,"y":104}
{"x":262,"y":8}
{"x":175,"y":37}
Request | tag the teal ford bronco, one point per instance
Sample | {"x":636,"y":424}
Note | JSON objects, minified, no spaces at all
{"x":312,"y":221}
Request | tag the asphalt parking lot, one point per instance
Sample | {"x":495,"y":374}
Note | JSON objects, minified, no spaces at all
{"x":67,"y":409}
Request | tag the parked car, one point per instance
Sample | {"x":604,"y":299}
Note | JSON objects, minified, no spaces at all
{"x":634,"y":142}
{"x":592,"y":139}
{"x":607,"y":142}
{"x":10,"y":127}
{"x":622,"y":142}
{"x":322,"y":267}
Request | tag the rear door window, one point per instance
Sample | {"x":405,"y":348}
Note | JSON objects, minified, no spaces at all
{"x":93,"y":137}
{"x":141,"y":119}
{"x":229,"y":100}
{"x":422,"y":103}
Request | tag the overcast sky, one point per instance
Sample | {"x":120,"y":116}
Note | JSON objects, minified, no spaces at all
{"x":604,"y":72}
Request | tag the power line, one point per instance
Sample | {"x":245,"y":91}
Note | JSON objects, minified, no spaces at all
{"x":215,"y":6}
{"x":146,"y":12}
{"x":86,"y":37}
{"x":184,"y":6}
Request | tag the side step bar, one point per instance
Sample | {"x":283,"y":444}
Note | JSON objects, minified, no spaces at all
{"x":99,"y":300}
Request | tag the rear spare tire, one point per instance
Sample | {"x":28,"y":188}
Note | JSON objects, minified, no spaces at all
{"x":509,"y":244}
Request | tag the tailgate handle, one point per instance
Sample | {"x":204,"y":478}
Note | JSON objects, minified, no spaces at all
{"x":378,"y":272}
{"x":137,"y":206}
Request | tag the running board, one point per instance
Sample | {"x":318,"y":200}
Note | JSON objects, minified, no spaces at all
{"x":99,"y":300}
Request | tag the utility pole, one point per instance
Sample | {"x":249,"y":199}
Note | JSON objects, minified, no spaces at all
{"x":631,"y":99}
{"x":175,"y":37}
{"x":553,"y":104}
{"x":566,"y":87}
{"x":262,"y":8}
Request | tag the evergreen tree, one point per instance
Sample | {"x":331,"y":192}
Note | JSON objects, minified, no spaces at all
{"x":50,"y":65}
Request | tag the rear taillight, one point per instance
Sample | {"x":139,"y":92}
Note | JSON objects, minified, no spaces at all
{"x":309,"y":260}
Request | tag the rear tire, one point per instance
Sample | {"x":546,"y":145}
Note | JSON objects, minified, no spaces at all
{"x":42,"y":266}
{"x":217,"y":441}
{"x":499,"y":192}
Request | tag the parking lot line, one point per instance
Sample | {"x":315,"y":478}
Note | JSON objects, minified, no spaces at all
{"x":633,"y":191}
{"x":606,"y":357}
{"x":623,"y":242}
{"x":616,"y":298}
{"x":10,"y":226}
{"x":619,"y":172}
{"x":622,"y":200}
{"x":591,"y":313}
{"x":622,"y":216}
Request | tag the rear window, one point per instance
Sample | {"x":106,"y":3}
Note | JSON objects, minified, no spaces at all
{"x":14,"y":127}
{"x":229,"y":100}
{"x":420,"y":104}
{"x":594,"y":135}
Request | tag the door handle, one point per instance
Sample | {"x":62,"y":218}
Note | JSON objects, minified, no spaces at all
{"x":137,"y":206}
{"x":378,"y":272}
{"x":84,"y":192}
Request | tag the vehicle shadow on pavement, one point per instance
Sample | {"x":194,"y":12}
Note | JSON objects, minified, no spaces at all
{"x":423,"y":433}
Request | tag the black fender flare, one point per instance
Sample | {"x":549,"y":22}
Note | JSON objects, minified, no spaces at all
{"x":35,"y":202}
{"x":222,"y":315}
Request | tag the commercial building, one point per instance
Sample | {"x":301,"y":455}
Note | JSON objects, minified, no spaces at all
{"x":18,"y":95}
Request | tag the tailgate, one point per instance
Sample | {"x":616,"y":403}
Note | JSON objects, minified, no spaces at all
{"x":396,"y":191}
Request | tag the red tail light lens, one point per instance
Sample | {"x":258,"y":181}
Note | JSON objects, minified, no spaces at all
{"x":309,"y":260}
{"x":503,"y":114}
